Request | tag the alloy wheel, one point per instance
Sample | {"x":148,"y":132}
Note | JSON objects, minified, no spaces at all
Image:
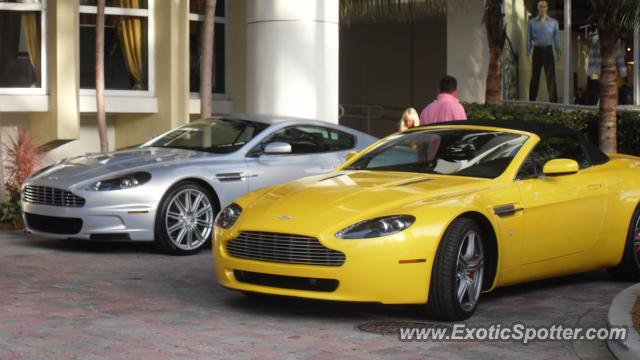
{"x":189,"y":219}
{"x":470,"y":268}
{"x":636,"y":239}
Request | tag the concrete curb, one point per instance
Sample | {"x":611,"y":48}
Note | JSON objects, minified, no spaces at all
{"x":620,"y":315}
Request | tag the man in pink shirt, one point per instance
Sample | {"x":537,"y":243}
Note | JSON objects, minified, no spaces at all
{"x":446,"y":107}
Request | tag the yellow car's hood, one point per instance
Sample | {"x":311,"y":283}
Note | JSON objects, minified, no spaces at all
{"x":312,"y":204}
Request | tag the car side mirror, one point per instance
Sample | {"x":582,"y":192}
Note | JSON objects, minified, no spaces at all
{"x":560,"y":167}
{"x":350,"y":155}
{"x":277,"y":147}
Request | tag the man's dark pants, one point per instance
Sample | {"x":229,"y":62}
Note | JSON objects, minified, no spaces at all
{"x":543,"y":57}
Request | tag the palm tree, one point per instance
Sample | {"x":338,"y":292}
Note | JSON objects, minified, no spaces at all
{"x":612,"y":18}
{"x":100,"y":109}
{"x":206,"y":59}
{"x":496,"y":37}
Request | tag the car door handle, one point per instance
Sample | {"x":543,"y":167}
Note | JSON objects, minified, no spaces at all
{"x":507,"y":210}
{"x":594,"y":187}
{"x":224,"y":177}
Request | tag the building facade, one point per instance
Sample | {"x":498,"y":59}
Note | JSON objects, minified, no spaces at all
{"x":272,"y":56}
{"x":289,"y":57}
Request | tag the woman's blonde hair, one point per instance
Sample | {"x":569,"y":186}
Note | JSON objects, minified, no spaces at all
{"x":409,"y":115}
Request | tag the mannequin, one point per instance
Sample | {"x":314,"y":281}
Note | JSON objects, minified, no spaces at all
{"x":543,"y":36}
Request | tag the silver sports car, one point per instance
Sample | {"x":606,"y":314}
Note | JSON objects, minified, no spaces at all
{"x":170,"y":188}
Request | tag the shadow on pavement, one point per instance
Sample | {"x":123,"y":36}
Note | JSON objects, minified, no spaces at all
{"x":587,"y":278}
{"x":314,"y":309}
{"x":318,"y":309}
{"x":89,"y":246}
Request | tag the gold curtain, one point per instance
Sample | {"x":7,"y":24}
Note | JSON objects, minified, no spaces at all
{"x":130,"y":30}
{"x":32,"y":40}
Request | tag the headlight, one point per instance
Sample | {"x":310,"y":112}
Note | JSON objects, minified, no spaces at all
{"x":228,"y":216}
{"x":122,"y":182}
{"x":377,"y":227}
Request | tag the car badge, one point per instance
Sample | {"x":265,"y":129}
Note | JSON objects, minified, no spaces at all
{"x":284,"y":217}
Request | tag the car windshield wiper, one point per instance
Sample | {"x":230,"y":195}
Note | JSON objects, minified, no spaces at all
{"x":191,"y":148}
{"x":213,"y":150}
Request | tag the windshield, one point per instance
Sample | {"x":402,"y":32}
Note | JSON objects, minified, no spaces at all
{"x":220,"y":136}
{"x":462,"y":152}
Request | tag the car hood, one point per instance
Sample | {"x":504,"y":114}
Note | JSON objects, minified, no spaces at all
{"x":92,"y":166}
{"x":349,"y":196}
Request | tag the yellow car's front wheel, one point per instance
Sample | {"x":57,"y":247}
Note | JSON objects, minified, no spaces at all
{"x":456,"y":280}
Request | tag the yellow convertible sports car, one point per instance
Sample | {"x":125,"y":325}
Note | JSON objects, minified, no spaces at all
{"x":436,"y":215}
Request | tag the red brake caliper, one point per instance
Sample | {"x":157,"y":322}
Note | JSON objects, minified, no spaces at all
{"x":636,"y":242}
{"x":472,"y":274}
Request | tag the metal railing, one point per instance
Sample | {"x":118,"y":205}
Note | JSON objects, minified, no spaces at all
{"x":362,"y":112}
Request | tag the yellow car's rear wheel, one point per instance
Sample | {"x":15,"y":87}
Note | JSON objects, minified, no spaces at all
{"x":458,"y":271}
{"x":629,"y":267}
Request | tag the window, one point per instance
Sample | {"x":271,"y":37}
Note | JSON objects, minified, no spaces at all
{"x":473,"y":153}
{"x":22,"y":61}
{"x":564,"y":147}
{"x":313,"y":139}
{"x":574,"y":74}
{"x":219,"y":136}
{"x":126,"y":50}
{"x":196,"y":18}
{"x":586,"y":59}
{"x":536,"y":34}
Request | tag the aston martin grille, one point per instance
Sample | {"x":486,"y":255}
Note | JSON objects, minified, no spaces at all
{"x":283,"y":248}
{"x":51,"y":196}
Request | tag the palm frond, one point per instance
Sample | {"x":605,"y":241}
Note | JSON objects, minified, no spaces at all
{"x":389,"y":10}
{"x":617,"y":15}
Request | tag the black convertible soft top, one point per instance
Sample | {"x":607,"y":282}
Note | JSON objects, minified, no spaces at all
{"x":543,"y":130}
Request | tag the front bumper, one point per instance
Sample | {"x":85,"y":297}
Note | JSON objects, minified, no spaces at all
{"x":117,"y":222}
{"x":386,"y":278}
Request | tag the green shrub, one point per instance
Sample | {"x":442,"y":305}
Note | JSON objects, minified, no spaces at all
{"x":584,"y":121}
{"x":10,"y":211}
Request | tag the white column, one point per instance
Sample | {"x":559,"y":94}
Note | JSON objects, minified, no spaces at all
{"x":292,"y":58}
{"x":467,"y":49}
{"x":567,"y":88}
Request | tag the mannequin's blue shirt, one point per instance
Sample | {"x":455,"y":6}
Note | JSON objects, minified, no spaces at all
{"x":543,"y":33}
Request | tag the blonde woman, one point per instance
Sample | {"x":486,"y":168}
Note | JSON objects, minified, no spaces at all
{"x":409,"y":119}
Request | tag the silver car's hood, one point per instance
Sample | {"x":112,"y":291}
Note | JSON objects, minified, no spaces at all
{"x":83,"y":168}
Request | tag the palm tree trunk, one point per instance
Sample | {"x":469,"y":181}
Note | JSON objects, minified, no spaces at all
{"x":206,"y":59}
{"x":100,"y":111}
{"x":608,"y":91}
{"x":496,"y":39}
{"x":493,"y":91}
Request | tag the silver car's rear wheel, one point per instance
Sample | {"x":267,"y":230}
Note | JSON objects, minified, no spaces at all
{"x":185,"y":219}
{"x":189,"y":219}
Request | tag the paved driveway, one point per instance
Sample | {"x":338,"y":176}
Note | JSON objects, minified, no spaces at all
{"x":73,"y":299}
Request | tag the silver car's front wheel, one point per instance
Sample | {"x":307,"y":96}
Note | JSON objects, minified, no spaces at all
{"x":189,"y":219}
{"x":185,"y":219}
